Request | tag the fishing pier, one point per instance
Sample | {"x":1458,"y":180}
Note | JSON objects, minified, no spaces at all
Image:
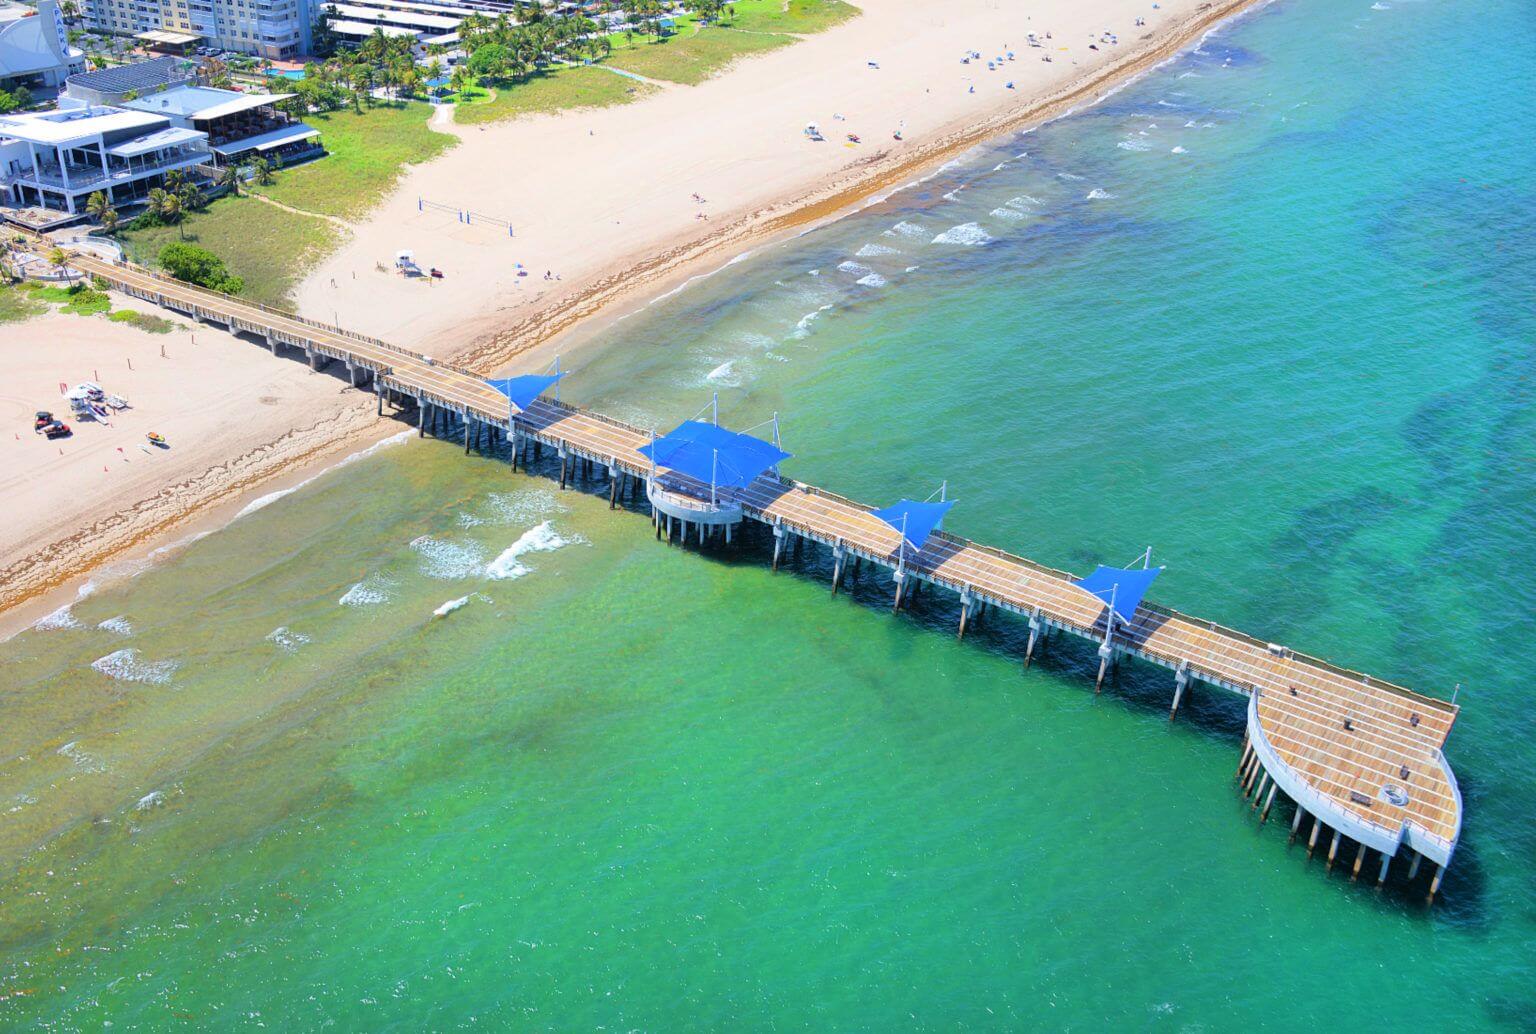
{"x":1360,"y":759}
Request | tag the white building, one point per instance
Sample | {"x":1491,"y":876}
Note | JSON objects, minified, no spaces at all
{"x":34,"y":49}
{"x":266,"y":28}
{"x":57,"y":159}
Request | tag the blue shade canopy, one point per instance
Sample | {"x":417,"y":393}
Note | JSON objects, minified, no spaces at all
{"x":919,"y":518}
{"x":1127,"y":585}
{"x":523,"y":390}
{"x":713,"y":455}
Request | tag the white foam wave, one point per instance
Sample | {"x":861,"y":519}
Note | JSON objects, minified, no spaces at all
{"x":1023,"y":202}
{"x":1009,"y":213}
{"x":913,"y":269}
{"x":118,"y":625}
{"x":61,"y":618}
{"x":542,"y":538}
{"x":966,"y":234}
{"x":874,"y":251}
{"x":371,"y":590}
{"x":443,"y":558}
{"x":153,"y":799}
{"x":1134,"y":145}
{"x":872,"y":280}
{"x":853,"y":268}
{"x":1068,"y":176}
{"x":130,"y":666}
{"x":1098,"y":195}
{"x":803,"y":325}
{"x":906,"y":229}
{"x":85,"y":762}
{"x":1178,"y":150}
{"x":724,"y":374}
{"x":451,"y":606}
{"x":286,"y":638}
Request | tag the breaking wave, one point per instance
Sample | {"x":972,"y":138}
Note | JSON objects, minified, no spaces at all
{"x":286,"y":638}
{"x":966,"y":234}
{"x":542,"y":538}
{"x":371,"y":590}
{"x":130,"y":666}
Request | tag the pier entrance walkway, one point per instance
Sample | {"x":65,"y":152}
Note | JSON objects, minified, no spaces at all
{"x":1360,"y":758}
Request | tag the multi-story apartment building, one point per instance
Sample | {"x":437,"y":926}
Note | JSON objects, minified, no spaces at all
{"x":265,"y":28}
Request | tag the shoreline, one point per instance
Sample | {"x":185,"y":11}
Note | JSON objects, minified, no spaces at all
{"x":41,"y":582}
{"x":635,"y":281}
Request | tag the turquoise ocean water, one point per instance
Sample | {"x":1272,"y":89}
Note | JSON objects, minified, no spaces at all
{"x":1268,"y":309}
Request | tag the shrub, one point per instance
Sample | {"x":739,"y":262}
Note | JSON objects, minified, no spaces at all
{"x":199,"y":266}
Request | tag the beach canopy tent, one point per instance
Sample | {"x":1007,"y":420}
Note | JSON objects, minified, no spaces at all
{"x":1124,"y":585}
{"x":523,"y":390}
{"x":713,"y":455}
{"x":916,"y":521}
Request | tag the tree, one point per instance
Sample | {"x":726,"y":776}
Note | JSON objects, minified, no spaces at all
{"x":96,"y":204}
{"x":489,"y":60}
{"x":58,"y":257}
{"x":166,"y":206}
{"x":108,"y":221}
{"x":261,"y":171}
{"x":229,"y":178}
{"x":199,"y":266}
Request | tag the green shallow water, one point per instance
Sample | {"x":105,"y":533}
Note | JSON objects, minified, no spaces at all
{"x":631,"y":787}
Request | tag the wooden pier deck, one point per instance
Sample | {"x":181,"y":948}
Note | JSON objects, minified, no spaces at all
{"x":1360,"y":757}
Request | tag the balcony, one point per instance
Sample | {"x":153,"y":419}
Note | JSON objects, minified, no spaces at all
{"x":91,"y":177}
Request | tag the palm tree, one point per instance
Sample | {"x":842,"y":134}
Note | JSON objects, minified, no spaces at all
{"x":261,"y":171}
{"x":229,"y":178}
{"x":96,"y":204}
{"x":108,"y":219}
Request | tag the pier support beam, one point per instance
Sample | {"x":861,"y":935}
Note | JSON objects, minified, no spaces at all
{"x":1333,"y":849}
{"x":1296,"y":823}
{"x":838,"y":553}
{"x":317,"y":362}
{"x":421,"y":418}
{"x":1317,"y":826}
{"x":901,"y":580}
{"x":1034,"y":636}
{"x":1268,"y":803}
{"x":778,"y":545}
{"x":1413,"y":867}
{"x":1359,"y":858}
{"x":1264,"y":780}
{"x":378,"y":391}
{"x":517,"y":444}
{"x":965,"y":613}
{"x":1434,"y":887}
{"x":613,"y":488}
{"x":1180,"y":682}
{"x":469,"y":432}
{"x":1381,"y":877}
{"x":272,"y":344}
{"x":562,"y":487}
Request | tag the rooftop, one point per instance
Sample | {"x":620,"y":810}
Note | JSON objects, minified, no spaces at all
{"x":202,"y":102}
{"x":66,"y":125}
{"x":141,"y":75}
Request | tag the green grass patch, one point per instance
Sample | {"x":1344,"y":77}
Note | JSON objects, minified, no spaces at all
{"x":18,"y":304}
{"x":368,"y":153}
{"x":87,"y":302}
{"x":798,"y":16}
{"x":268,"y":248}
{"x":690,"y":59}
{"x":562,"y":89}
{"x":42,"y":292}
{"x":146,"y":322}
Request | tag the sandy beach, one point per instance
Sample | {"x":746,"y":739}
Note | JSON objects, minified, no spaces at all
{"x":233,"y":417}
{"x":606,"y":204}
{"x":615,"y":205}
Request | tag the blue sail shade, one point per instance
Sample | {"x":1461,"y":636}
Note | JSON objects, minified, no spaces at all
{"x":523,"y":390}
{"x":1127,"y":585}
{"x":713,"y":455}
{"x":920,"y":519}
